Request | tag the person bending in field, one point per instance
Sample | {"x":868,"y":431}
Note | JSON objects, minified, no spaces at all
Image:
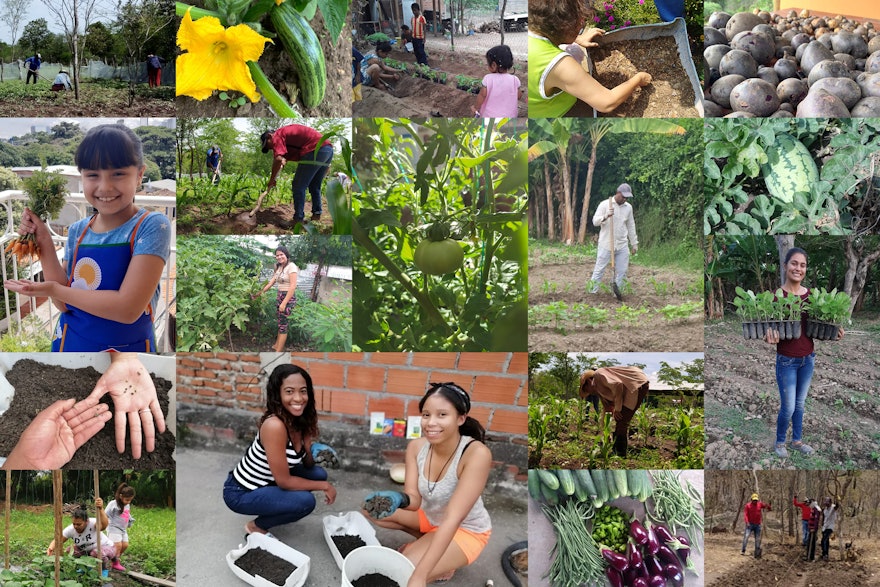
{"x":558,"y":83}
{"x":622,"y":390}
{"x":442,"y":504}
{"x":374,"y":72}
{"x":84,"y":530}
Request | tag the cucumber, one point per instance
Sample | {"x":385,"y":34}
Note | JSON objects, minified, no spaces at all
{"x":534,"y":485}
{"x":583,"y":479}
{"x":548,"y":479}
{"x":620,"y":482}
{"x":566,"y":481}
{"x":303,"y":47}
{"x":549,"y":495}
{"x":789,"y":169}
{"x":634,"y":483}
{"x":601,"y":485}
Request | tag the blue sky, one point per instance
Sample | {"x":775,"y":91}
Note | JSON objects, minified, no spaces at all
{"x":650,"y":360}
{"x":16,"y":127}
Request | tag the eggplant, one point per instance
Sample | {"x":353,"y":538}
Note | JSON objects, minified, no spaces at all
{"x":682,"y":548}
{"x":667,"y":557}
{"x":618,"y":561}
{"x":657,"y":581}
{"x":663,"y":533}
{"x":653,"y":566}
{"x":638,"y":532}
{"x":633,"y":554}
{"x":653,"y":542}
{"x":639,"y":582}
{"x":614,"y":577}
{"x":674,"y":575}
{"x":630,"y":575}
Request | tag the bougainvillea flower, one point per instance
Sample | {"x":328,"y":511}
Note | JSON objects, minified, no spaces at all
{"x":216,"y":57}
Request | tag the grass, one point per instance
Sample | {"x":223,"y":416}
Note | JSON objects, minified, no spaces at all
{"x":681,"y":255}
{"x":152,"y":547}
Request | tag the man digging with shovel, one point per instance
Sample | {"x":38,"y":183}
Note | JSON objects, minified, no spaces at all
{"x":617,"y":232}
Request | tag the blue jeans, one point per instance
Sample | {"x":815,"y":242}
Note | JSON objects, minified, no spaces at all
{"x":805,"y":525}
{"x":826,"y":541}
{"x":756,"y":528}
{"x":310,"y":172}
{"x":793,"y":375}
{"x":419,"y":51}
{"x":272,"y":505}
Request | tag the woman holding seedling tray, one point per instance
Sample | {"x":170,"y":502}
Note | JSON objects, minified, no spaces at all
{"x":794,"y":361}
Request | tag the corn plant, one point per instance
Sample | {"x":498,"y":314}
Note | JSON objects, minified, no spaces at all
{"x":661,"y":288}
{"x":539,"y":421}
{"x":604,"y":449}
{"x":643,"y":424}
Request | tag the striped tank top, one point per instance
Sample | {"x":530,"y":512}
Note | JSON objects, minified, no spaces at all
{"x":253,"y":471}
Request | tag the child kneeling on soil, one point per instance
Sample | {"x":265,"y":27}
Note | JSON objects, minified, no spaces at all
{"x":558,"y":83}
{"x":441,"y":504}
{"x":84,"y":532}
{"x":373,"y":68}
{"x":501,"y":89}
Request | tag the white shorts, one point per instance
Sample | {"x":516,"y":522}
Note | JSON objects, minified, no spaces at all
{"x":117,"y":535}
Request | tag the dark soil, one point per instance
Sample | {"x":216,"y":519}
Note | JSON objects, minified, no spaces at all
{"x":377,"y":505}
{"x":374,"y":580}
{"x":37,"y":386}
{"x":345,"y":543}
{"x":267,"y":220}
{"x":669,"y":95}
{"x":258,"y":561}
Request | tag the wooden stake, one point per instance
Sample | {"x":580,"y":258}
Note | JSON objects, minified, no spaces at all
{"x":98,"y":521}
{"x":59,"y":538}
{"x":8,"y":497}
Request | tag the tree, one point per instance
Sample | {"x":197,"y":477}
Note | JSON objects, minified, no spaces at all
{"x":70,"y":14}
{"x":159,"y":144}
{"x":35,"y":35}
{"x":99,"y":41}
{"x":11,"y":12}
{"x":861,"y":253}
{"x":138,"y":23}
{"x":66,"y":130}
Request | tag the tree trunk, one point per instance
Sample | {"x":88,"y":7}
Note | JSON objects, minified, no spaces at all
{"x":503,"y":10}
{"x":783,"y":244}
{"x":551,"y":228}
{"x":582,"y":232}
{"x":568,"y":213}
{"x":858,"y":263}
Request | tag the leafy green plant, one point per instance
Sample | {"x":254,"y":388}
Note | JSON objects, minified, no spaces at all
{"x":548,"y":287}
{"x":603,"y":451}
{"x":661,"y":288}
{"x":74,"y":572}
{"x":677,"y":312}
{"x":828,"y":306}
{"x":327,"y":325}
{"x":630,"y":314}
{"x":746,"y":304}
{"x":376,"y":38}
{"x":33,"y":337}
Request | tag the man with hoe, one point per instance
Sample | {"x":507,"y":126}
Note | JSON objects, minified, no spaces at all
{"x":753,"y":518}
{"x":33,"y":67}
{"x":622,"y":390}
{"x":614,"y":216}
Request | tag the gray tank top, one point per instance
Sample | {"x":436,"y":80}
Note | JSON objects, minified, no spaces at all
{"x":434,"y":503}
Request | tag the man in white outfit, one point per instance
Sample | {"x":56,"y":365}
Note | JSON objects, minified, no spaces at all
{"x":621,"y":214}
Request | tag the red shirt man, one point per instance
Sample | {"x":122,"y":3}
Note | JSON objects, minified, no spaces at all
{"x":753,"y":509}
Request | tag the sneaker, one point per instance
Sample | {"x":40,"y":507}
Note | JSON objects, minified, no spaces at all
{"x":288,"y":224}
{"x":743,"y":553}
{"x":117,"y":566}
{"x":801,"y":447}
{"x":780,"y":451}
{"x":105,"y":573}
{"x":316,"y":218}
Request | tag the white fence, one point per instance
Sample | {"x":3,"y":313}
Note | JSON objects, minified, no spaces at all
{"x":90,"y":70}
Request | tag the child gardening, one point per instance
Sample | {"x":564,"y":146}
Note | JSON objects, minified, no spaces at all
{"x":501,"y":89}
{"x":119,"y":513}
{"x":108,"y":285}
{"x":373,"y":69}
{"x":83,"y":530}
{"x":441,"y":504}
{"x":558,"y":83}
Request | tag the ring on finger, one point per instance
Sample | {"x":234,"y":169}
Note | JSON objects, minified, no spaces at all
{"x":144,"y":411}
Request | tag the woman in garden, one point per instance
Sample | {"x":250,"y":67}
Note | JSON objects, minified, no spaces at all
{"x":558,"y":83}
{"x":108,"y":285}
{"x":794,"y":361}
{"x":285,"y":277}
{"x":275,"y":478}
{"x":441,"y":504}
{"x":84,"y":532}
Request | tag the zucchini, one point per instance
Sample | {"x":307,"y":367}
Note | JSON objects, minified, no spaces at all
{"x":548,"y":479}
{"x":534,"y":485}
{"x":304,"y":49}
{"x":566,"y":481}
{"x":620,"y":482}
{"x":789,"y":169}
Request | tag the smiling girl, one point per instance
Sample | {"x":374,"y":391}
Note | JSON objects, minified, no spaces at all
{"x":446,"y":472}
{"x":285,"y":278}
{"x":107,"y":287}
{"x":794,"y":361}
{"x":275,"y":478}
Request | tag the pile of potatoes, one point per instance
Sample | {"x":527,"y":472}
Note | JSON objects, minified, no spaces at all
{"x":760,"y":64}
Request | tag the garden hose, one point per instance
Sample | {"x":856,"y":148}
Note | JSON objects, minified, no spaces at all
{"x":505,"y":562}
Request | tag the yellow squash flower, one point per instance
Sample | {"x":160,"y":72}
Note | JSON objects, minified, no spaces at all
{"x":216,"y":57}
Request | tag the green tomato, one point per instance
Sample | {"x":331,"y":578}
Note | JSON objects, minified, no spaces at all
{"x":438,"y":257}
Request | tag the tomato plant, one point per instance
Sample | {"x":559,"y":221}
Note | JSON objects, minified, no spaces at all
{"x":439,"y":210}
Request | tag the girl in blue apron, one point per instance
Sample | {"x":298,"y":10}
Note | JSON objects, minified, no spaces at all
{"x":108,"y":285}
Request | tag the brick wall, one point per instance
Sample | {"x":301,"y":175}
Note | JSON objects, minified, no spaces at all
{"x":348,"y":386}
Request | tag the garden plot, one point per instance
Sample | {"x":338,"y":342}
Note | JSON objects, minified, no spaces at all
{"x":842,"y":418}
{"x":110,"y":98}
{"x":661,"y":309}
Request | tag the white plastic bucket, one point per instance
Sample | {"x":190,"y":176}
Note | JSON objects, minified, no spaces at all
{"x":376,"y":559}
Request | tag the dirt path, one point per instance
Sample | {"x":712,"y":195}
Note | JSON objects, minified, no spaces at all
{"x":643,"y":330}
{"x":782,"y":565}
{"x":842,"y":419}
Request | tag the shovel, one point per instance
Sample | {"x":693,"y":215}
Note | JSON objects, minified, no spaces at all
{"x":614,"y":287}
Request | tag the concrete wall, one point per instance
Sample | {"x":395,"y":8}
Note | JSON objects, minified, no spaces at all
{"x":222,"y":395}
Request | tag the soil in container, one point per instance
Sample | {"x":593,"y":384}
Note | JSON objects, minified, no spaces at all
{"x":374,"y":580}
{"x":345,"y":543}
{"x":377,"y":506}
{"x":259,"y":561}
{"x":670,"y":93}
{"x":37,"y":386}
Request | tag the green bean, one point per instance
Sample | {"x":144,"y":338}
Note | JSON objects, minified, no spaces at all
{"x":577,"y":559}
{"x":674,"y":505}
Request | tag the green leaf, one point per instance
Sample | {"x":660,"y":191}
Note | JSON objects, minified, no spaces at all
{"x":223,"y":96}
{"x":335,"y":13}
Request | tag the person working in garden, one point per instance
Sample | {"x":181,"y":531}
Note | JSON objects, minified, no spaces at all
{"x":374,"y":72}
{"x":32,"y":64}
{"x":84,"y":532}
{"x":829,"y":521}
{"x":62,"y":82}
{"x":154,"y":70}
{"x":558,"y":83}
{"x":814,"y":525}
{"x":794,"y":361}
{"x":806,"y":512}
{"x":212,"y":161}
{"x":617,"y":210}
{"x":418,"y":23}
{"x":753,"y":517}
{"x":622,"y":390}
{"x":296,"y":142}
{"x":441,"y":504}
